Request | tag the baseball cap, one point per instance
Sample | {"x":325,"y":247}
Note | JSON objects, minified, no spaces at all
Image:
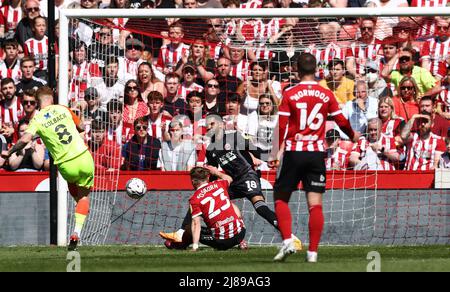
{"x":189,"y":65}
{"x":134,"y":43}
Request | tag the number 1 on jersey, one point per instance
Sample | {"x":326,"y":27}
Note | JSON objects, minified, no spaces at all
{"x":308,"y":121}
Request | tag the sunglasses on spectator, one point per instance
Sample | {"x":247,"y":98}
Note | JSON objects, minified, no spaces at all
{"x":371,"y":71}
{"x":137,"y":48}
{"x":141,"y":127}
{"x":213,"y":85}
{"x":105,"y":34}
{"x":29,"y":102}
{"x":130,"y":88}
{"x":366,"y":28}
{"x":407,"y":88}
{"x":404,"y":59}
{"x":265,"y":103}
{"x":33,"y":9}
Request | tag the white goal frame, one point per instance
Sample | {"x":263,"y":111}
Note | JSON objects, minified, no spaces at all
{"x":67,"y":14}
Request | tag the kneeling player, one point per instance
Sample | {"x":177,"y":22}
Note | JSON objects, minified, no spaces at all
{"x":225,"y":228}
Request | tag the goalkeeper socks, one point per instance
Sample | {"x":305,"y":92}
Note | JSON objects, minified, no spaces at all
{"x":316,"y":222}
{"x":263,"y":210}
{"x":81,"y":212}
{"x":284,"y":218}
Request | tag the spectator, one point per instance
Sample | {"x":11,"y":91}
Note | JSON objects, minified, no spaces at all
{"x":84,"y":74}
{"x":443,"y":96}
{"x":391,"y":123}
{"x":336,"y":81}
{"x":128,"y":65}
{"x":29,"y":158}
{"x":358,"y":52}
{"x":105,"y":152}
{"x":431,"y":53}
{"x":11,"y":110}
{"x":142,"y":151}
{"x":440,"y":125}
{"x":404,"y":32}
{"x":282,"y":64}
{"x":385,"y":25}
{"x":267,"y":121}
{"x":405,"y":104}
{"x":148,"y":81}
{"x":337,"y":156}
{"x":361,"y":109}
{"x":134,"y":105}
{"x":199,"y":58}
{"x":444,"y":161}
{"x":93,"y":102}
{"x":24,"y":29}
{"x":36,"y":47}
{"x":28,"y":81}
{"x":11,"y":12}
{"x":170,"y":54}
{"x":116,"y":131}
{"x":188,"y":85}
{"x":10,"y":67}
{"x":112,"y":87}
{"x":376,"y":86}
{"x":424,"y":148}
{"x":234,"y":120}
{"x":29,"y":103}
{"x":213,"y":105}
{"x":177,"y":154}
{"x":173,"y":104}
{"x":239,"y":64}
{"x":425,"y":81}
{"x":228,"y":84}
{"x":389,"y":60}
{"x":158,"y":121}
{"x":377,"y":152}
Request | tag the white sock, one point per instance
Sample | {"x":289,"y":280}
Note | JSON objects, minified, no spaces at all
{"x":287,"y":241}
{"x":180,"y":233}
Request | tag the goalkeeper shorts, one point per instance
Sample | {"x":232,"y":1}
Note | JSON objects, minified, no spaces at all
{"x":79,"y":170}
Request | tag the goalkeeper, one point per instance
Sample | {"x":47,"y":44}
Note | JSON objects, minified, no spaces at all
{"x":59,"y":129}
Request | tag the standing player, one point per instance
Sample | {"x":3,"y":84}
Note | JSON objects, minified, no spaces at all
{"x":211,"y":202}
{"x":230,"y":151}
{"x":59,"y":128}
{"x":303,"y":112}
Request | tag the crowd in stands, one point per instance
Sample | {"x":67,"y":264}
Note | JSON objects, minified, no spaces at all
{"x":143,"y":88}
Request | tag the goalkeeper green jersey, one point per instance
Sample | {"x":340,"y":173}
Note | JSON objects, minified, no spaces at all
{"x":56,"y":125}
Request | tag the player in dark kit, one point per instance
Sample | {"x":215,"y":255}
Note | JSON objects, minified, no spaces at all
{"x":211,"y":202}
{"x":303,"y":113}
{"x":230,"y":151}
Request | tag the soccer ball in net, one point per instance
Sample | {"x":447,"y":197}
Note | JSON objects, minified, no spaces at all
{"x":136,"y":188}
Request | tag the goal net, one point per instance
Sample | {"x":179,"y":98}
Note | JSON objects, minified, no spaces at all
{"x":136,"y":69}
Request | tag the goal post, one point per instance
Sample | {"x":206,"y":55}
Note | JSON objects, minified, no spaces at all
{"x":341,"y":210}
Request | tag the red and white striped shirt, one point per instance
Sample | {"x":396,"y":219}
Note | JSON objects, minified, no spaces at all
{"x":38,"y":49}
{"x":11,"y":115}
{"x":12,"y":72}
{"x":252,"y":4}
{"x":422,"y":153}
{"x":389,"y":145}
{"x":305,"y":108}
{"x":437,"y":52}
{"x":391,"y":127}
{"x":212,"y":202}
{"x":169,"y":56}
{"x":338,"y":159}
{"x":427,"y":27}
{"x":183,"y":90}
{"x":81,"y":79}
{"x":154,"y":127}
{"x":240,"y":70}
{"x":128,"y":67}
{"x":325,"y":55}
{"x":444,"y":99}
{"x":11,"y":16}
{"x":263,"y":53}
{"x":363,"y":53}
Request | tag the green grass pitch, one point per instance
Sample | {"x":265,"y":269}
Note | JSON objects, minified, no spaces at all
{"x":256,"y":259}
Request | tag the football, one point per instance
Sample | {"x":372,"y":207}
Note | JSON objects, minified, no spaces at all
{"x":136,"y":188}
